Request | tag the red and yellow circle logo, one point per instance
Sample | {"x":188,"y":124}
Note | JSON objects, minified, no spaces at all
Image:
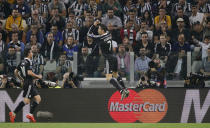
{"x":146,"y":106}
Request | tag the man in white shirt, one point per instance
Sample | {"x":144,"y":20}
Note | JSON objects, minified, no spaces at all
{"x":196,"y":16}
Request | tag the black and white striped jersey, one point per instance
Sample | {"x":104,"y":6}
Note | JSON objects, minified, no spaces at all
{"x":104,"y":41}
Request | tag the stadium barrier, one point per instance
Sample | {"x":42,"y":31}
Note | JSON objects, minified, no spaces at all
{"x":170,"y":105}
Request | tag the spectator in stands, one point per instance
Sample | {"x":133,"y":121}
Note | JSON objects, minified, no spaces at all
{"x":71,"y":31}
{"x":17,"y":44}
{"x":181,"y":44}
{"x":129,"y":31}
{"x":93,"y":48}
{"x":14,"y":20}
{"x":196,"y":16}
{"x":2,"y":64}
{"x":76,"y":21}
{"x":204,"y":46}
{"x":100,"y":66}
{"x":36,"y":19}
{"x":177,"y":65}
{"x":180,"y":22}
{"x":148,"y":18}
{"x":163,"y":30}
{"x":70,"y":47}
{"x":33,"y":41}
{"x":112,"y":4}
{"x":114,"y":32}
{"x":11,"y":61}
{"x":180,"y":14}
{"x":5,"y":10}
{"x":50,"y":49}
{"x":142,"y":6}
{"x":78,"y":6}
{"x":3,"y":32}
{"x":111,"y":18}
{"x":41,"y":7}
{"x":186,"y":7}
{"x":144,"y":28}
{"x":95,"y":8}
{"x":22,"y":8}
{"x":86,"y":65}
{"x":165,"y":4}
{"x":123,"y":59}
{"x":59,"y":5}
{"x":132,"y":16}
{"x":55,"y":19}
{"x":37,"y":60}
{"x":58,"y":38}
{"x":197,"y":31}
{"x":83,"y":30}
{"x":162,"y":17}
{"x":127,"y":45}
{"x":63,"y":66}
{"x":144,"y":43}
{"x":206,"y":29}
{"x":163,"y":49}
{"x":203,"y":6}
{"x":35,"y":31}
{"x":3,"y":47}
{"x":141,"y":64}
{"x":205,"y":69}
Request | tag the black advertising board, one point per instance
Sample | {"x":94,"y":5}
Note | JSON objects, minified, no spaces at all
{"x":172,"y":105}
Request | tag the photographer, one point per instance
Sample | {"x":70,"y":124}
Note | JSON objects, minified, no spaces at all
{"x":195,"y":80}
{"x":70,"y":80}
{"x":9,"y":82}
{"x":156,"y":74}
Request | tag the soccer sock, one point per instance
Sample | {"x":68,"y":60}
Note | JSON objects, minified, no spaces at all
{"x":33,"y":106}
{"x":19,"y":107}
{"x":115,"y":83}
{"x":119,"y":79}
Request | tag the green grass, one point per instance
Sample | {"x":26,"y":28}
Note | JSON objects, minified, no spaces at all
{"x":102,"y":125}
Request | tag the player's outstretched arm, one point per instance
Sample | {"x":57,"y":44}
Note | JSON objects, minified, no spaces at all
{"x":93,"y":28}
{"x":34,"y":75}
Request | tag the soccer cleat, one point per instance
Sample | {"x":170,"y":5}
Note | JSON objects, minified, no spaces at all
{"x":127,"y":92}
{"x":12,"y":117}
{"x":31,"y":118}
{"x":123,"y":94}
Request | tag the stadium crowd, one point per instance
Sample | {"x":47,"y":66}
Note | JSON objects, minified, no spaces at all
{"x":157,"y":31}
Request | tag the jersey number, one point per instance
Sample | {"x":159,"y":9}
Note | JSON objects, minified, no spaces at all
{"x":110,"y":45}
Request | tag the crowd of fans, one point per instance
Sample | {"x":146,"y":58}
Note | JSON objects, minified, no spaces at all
{"x":158,"y":31}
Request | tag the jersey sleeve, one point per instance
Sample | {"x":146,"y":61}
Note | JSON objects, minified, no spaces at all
{"x":91,"y":34}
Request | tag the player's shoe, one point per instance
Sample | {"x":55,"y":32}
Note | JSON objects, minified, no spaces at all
{"x":127,"y":92}
{"x":31,"y":118}
{"x":124,"y":94}
{"x":12,"y":117}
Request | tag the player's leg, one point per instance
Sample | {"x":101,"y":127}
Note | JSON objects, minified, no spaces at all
{"x":116,"y":79}
{"x":26,"y":100}
{"x":34,"y":104}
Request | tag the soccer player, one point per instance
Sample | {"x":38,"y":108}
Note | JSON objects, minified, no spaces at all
{"x":105,"y":44}
{"x":25,"y":74}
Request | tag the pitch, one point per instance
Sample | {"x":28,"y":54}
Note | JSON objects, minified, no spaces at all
{"x":103,"y":125}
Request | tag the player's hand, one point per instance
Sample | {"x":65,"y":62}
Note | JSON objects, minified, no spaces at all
{"x":39,"y":76}
{"x":97,"y":22}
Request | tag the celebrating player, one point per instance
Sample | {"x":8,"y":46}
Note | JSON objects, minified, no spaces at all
{"x":105,"y":44}
{"x":25,"y":74}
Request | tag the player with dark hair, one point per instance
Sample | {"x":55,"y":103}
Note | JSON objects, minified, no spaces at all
{"x":25,"y":74}
{"x":105,"y":43}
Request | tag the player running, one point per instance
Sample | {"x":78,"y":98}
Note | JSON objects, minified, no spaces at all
{"x":105,"y":44}
{"x":25,"y":74}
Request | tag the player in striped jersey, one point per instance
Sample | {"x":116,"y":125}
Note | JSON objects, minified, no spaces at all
{"x":105,"y":44}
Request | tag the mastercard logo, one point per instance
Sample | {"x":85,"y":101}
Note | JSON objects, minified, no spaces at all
{"x":146,"y":106}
